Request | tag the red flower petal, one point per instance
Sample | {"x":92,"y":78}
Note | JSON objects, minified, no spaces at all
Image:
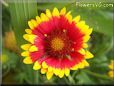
{"x":36,"y":55}
{"x":64,"y":62}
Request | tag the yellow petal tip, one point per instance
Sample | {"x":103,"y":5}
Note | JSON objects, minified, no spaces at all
{"x":49,"y":75}
{"x":33,"y":48}
{"x":36,"y":66}
{"x":55,"y":12}
{"x":88,"y":55}
{"x":27,"y":60}
{"x":44,"y":65}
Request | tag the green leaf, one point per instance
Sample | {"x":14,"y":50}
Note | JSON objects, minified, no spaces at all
{"x":44,"y":6}
{"x":100,"y":20}
{"x":98,"y":76}
{"x":21,"y":12}
{"x":83,"y":78}
{"x":6,"y":19}
{"x":101,"y":44}
{"x":10,"y":58}
{"x":100,"y":59}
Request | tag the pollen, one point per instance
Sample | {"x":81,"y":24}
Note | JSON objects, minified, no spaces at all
{"x":57,"y":44}
{"x":45,"y":35}
{"x":64,"y":30}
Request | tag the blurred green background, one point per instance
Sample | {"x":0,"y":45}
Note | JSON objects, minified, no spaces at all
{"x":14,"y":21}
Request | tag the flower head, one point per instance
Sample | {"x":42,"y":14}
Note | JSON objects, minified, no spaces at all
{"x":111,"y":72}
{"x":57,"y":43}
{"x":10,"y":41}
{"x":4,"y":58}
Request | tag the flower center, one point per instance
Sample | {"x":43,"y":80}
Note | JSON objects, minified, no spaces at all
{"x":57,"y":44}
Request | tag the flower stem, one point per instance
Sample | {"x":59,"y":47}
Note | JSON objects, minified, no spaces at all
{"x":36,"y":75}
{"x":6,"y":72}
{"x":72,"y":81}
{"x":74,"y":74}
{"x":66,"y":80}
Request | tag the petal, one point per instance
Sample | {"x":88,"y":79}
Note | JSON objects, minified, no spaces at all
{"x":81,"y":65}
{"x":111,"y":66}
{"x":30,"y":25}
{"x":36,"y":66}
{"x":77,"y":34}
{"x":75,"y":59}
{"x":89,"y":31}
{"x":48,"y":13}
{"x":67,"y":71}
{"x":27,"y":60}
{"x":30,"y":38}
{"x":49,"y":75}
{"x":36,"y":55}
{"x":25,"y":53}
{"x":53,"y":62}
{"x":39,"y":43}
{"x":65,"y":62}
{"x":111,"y":73}
{"x":86,"y":30}
{"x":25,"y":46}
{"x":43,"y":70}
{"x":88,"y":55}
{"x":63,"y":11}
{"x":85,"y":63}
{"x":75,"y":67}
{"x":69,"y":17}
{"x":76,"y":19}
{"x":29,"y":31}
{"x":85,"y":45}
{"x":44,"y":17}
{"x":82,"y":51}
{"x":38,"y":19}
{"x":55,"y":12}
{"x":33,"y":48}
{"x":46,"y":27}
{"x":34,"y":22}
{"x":86,"y":38}
{"x":44,"y":65}
{"x":80,"y":24}
{"x":61,"y":73}
{"x":50,"y":69}
{"x":56,"y":71}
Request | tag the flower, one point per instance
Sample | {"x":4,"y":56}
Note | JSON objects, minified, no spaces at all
{"x":57,"y":43}
{"x":111,"y":67}
{"x":9,"y":41}
{"x":4,"y":58}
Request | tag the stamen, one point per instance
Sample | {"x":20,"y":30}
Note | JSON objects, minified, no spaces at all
{"x":68,"y":56}
{"x":57,"y":44}
{"x":45,"y":35}
{"x":64,"y":30}
{"x":72,"y":49}
{"x":74,"y":42}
